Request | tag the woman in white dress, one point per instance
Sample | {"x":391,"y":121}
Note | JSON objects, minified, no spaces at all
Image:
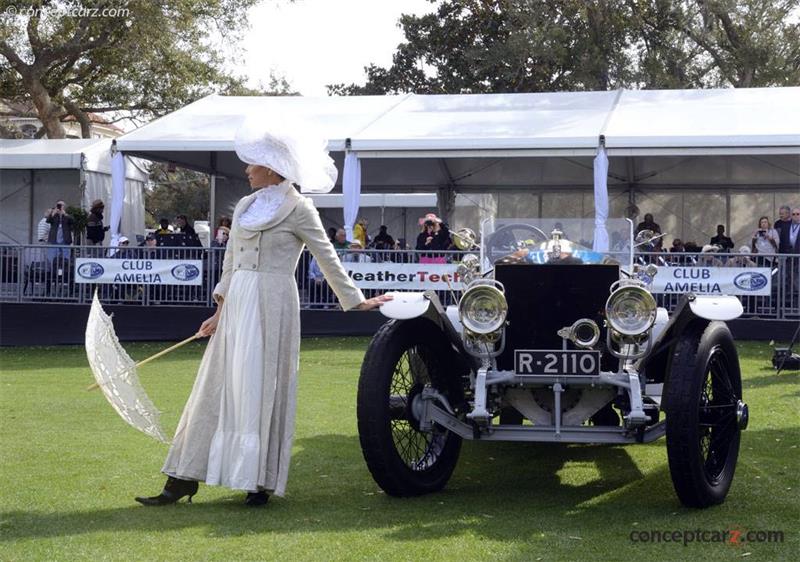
{"x":237,"y":427}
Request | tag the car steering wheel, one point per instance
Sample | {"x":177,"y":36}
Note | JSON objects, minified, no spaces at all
{"x":505,"y":240}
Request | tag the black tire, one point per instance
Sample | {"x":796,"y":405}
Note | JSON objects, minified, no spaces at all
{"x":703,"y":390}
{"x":403,"y":357}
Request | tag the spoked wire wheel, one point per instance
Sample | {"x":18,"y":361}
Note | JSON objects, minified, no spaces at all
{"x":719,"y":425}
{"x":404,"y":358}
{"x":705,"y":414}
{"x":419,"y":450}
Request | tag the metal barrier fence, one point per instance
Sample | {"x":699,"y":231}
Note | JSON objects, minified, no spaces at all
{"x":39,"y":273}
{"x":783,"y":302}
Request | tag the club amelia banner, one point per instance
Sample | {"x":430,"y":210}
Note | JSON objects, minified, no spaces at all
{"x":403,"y":276}
{"x":713,"y":280}
{"x":139,"y":271}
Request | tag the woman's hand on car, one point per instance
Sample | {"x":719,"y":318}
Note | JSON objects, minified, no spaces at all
{"x":374,"y":302}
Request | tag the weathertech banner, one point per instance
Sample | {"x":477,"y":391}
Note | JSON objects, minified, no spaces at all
{"x":403,"y":276}
{"x":713,"y":280}
{"x":139,"y":271}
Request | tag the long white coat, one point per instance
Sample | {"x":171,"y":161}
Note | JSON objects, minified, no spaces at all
{"x":237,"y":427}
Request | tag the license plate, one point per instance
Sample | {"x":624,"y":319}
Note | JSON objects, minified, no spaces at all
{"x":556,"y":362}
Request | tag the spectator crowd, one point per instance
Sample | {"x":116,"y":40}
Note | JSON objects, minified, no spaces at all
{"x":781,"y":236}
{"x":433,"y":244}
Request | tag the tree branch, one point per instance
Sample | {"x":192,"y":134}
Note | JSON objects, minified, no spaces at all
{"x":706,"y":47}
{"x":33,"y":33}
{"x":81,"y":117}
{"x":13,"y":58}
{"x":727,"y":24}
{"x":75,"y":46}
{"x":121,"y":108}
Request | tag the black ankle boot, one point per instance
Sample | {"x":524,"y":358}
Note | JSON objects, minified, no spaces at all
{"x":173,"y":490}
{"x":256,"y":499}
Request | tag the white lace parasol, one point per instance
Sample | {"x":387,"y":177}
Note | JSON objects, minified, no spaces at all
{"x":115,"y":373}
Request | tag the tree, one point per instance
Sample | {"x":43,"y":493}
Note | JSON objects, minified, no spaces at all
{"x":175,"y":192}
{"x":470,"y":46}
{"x":467,"y":46}
{"x":718,"y":43}
{"x":747,"y":43}
{"x":146,"y":57}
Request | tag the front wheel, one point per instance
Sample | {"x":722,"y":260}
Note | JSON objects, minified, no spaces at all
{"x":705,"y":414}
{"x":404,"y":357}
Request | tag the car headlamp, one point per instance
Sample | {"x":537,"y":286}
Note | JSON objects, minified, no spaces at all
{"x":483,"y":308}
{"x":631,"y":310}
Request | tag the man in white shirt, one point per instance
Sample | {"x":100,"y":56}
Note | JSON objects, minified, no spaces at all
{"x":356,"y":253}
{"x":43,"y":228}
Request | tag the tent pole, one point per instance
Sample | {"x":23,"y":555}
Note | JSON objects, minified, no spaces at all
{"x":85,"y":203}
{"x":34,"y":223}
{"x":728,"y":211}
{"x":212,"y":195}
{"x":446,"y":197}
{"x":212,"y":205}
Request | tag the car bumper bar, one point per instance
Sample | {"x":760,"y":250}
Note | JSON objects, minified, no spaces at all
{"x":432,"y":413}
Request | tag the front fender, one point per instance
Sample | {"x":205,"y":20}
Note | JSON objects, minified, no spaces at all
{"x":410,"y":305}
{"x":693,"y":312}
{"x":719,"y":307}
{"x":405,"y":305}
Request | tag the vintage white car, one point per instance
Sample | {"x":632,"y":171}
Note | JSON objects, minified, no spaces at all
{"x":552,"y":341}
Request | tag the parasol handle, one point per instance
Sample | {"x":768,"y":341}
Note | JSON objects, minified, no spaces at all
{"x":157,"y":355}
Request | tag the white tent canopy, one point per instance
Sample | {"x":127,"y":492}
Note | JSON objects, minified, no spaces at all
{"x":36,"y":173}
{"x":731,"y":121}
{"x":675,"y":140}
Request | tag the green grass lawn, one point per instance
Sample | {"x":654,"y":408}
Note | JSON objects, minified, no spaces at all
{"x":69,"y":469}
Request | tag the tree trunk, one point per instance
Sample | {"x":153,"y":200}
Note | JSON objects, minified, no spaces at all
{"x":47,"y":110}
{"x":83,"y":119}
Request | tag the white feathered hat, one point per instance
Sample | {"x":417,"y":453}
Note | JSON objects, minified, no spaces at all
{"x":294,"y":150}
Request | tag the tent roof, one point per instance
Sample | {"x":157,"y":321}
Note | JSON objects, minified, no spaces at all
{"x":47,"y":154}
{"x":91,"y":155}
{"x":704,"y":119}
{"x":490,"y":121}
{"x":211,"y":123}
{"x":449,"y":138}
{"x":561,"y":121}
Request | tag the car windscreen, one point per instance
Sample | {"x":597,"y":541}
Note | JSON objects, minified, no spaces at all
{"x":545,"y":240}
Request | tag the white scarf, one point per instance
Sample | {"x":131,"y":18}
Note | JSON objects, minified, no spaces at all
{"x":266,"y":203}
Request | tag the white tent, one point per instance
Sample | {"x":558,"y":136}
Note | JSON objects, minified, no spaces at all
{"x":35,"y":173}
{"x":532,"y":152}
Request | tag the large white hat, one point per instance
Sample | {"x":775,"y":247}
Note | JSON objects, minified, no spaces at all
{"x":294,"y":150}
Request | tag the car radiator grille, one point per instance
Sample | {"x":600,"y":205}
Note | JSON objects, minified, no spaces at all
{"x":544,"y":298}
